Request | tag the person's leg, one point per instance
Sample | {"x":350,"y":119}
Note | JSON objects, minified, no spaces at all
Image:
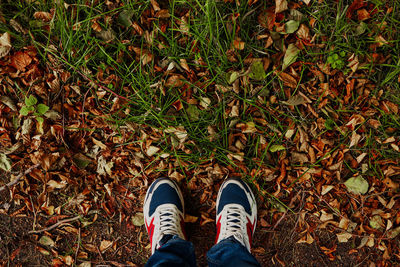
{"x":164,"y":219}
{"x":236,"y":221}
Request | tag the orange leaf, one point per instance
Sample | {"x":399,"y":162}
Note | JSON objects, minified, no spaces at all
{"x":363,"y":14}
{"x":44,"y":16}
{"x":21,"y":60}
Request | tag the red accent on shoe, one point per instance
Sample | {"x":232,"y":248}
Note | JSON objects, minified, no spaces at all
{"x":250,"y":229}
{"x":218,"y":229}
{"x":150,"y":230}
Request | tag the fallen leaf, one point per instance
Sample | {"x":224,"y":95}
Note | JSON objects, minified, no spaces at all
{"x":290,"y":56}
{"x":184,"y":64}
{"x":357,"y":185}
{"x":138,"y":219}
{"x":193,"y":112}
{"x":325,"y":216}
{"x":5,"y":163}
{"x":250,"y":127}
{"x":125,"y":17}
{"x":393,"y":232}
{"x":299,"y":157}
{"x":5,"y":44}
{"x":363,"y":14}
{"x":179,"y":132}
{"x":295,"y":100}
{"x":280,"y":5}
{"x":353,"y":63}
{"x":257,"y":71}
{"x":303,"y":32}
{"x":162,"y":14}
{"x":232,"y":76}
{"x":238,"y":44}
{"x":175,"y":81}
{"x":46,"y":241}
{"x":151,"y":150}
{"x":105,"y":244}
{"x":307,"y":238}
{"x":380,"y":40}
{"x":205,"y":102}
{"x":376,"y":222}
{"x":291,"y":26}
{"x":20,"y":60}
{"x":361,"y":28}
{"x":81,"y":160}
{"x":326,"y":189}
{"x":104,"y":167}
{"x":344,"y":237}
{"x":44,"y":16}
{"x":288,"y":80}
{"x":106,"y":35}
{"x":390,"y":183}
{"x":42,"y":250}
{"x":190,"y":218}
{"x":56,"y":185}
{"x":275,"y":148}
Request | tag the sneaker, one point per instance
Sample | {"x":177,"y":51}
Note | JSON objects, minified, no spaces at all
{"x":236,"y":212}
{"x":163,"y":211}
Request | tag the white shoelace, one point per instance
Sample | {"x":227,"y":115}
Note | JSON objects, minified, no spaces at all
{"x":235,"y":224}
{"x":169,"y":223}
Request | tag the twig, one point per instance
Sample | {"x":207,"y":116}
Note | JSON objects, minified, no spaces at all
{"x":79,"y":241}
{"x":101,"y":256}
{"x":55,"y":225}
{"x":18,"y":178}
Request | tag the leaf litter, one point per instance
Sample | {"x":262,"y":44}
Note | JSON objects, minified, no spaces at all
{"x":321,"y":174}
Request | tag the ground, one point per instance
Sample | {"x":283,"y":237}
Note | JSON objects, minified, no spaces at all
{"x":298,"y":98}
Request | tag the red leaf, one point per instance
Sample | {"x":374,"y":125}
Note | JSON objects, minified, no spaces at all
{"x":21,"y":60}
{"x":357,"y":4}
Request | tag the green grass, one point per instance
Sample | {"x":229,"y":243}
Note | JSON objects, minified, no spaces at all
{"x":76,"y":47}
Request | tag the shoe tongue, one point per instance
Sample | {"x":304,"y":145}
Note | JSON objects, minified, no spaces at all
{"x":239,"y":238}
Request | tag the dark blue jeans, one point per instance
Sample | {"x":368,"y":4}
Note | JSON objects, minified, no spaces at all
{"x":178,"y":252}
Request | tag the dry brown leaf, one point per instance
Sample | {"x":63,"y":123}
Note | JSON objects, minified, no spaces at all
{"x":353,"y":62}
{"x":155,"y":5}
{"x":52,"y":184}
{"x":162,"y":14}
{"x":175,"y":81}
{"x":238,"y":44}
{"x":20,"y":60}
{"x":363,"y":14}
{"x":355,"y":138}
{"x":380,"y":40}
{"x":326,"y":189}
{"x":177,"y":176}
{"x":326,"y":216}
{"x":280,"y":5}
{"x":390,"y":183}
{"x":190,"y":218}
{"x":343,"y":237}
{"x":295,"y":100}
{"x":184,"y":64}
{"x":151,"y":150}
{"x":5,"y":44}
{"x":303,"y":32}
{"x":44,"y":16}
{"x":288,"y":80}
{"x":105,"y":244}
{"x":96,"y":26}
{"x":306,"y":239}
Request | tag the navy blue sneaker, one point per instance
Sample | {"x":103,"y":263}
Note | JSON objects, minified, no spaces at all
{"x":236,"y":212}
{"x":163,"y":211}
